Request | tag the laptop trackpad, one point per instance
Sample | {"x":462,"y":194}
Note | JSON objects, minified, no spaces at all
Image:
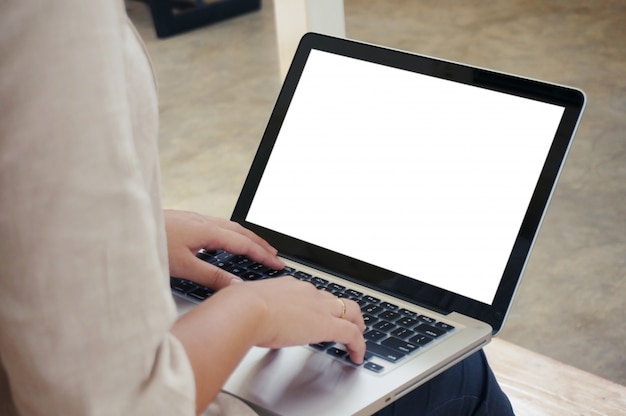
{"x":280,"y":379}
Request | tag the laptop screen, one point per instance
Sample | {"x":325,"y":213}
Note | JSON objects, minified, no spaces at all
{"x":419,"y":177}
{"x":426,"y":177}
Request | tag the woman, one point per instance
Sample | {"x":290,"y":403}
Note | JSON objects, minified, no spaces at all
{"x":87,"y":323}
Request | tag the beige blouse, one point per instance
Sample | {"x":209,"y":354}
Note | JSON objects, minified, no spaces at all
{"x":85,"y":306}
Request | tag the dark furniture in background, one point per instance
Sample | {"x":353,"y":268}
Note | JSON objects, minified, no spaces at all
{"x":172,"y":17}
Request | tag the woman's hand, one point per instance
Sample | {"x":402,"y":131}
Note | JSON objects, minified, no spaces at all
{"x":296,"y":313}
{"x":188,"y":232}
{"x":273,"y":313}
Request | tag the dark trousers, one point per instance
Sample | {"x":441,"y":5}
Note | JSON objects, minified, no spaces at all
{"x":468,"y":388}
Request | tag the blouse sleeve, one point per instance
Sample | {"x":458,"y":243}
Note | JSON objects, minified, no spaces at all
{"x":85,"y":307}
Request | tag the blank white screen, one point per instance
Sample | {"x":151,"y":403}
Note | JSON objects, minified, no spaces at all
{"x":422,"y":176}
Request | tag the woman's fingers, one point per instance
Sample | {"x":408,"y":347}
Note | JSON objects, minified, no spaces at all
{"x":238,"y":240}
{"x":188,"y":232}
{"x":350,"y":327}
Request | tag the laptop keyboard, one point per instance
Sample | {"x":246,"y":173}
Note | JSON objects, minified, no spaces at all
{"x":391,"y":334}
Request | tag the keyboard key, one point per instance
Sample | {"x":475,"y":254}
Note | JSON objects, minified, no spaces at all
{"x":388,"y":305}
{"x":426,"y":319}
{"x":429,"y":330}
{"x":275,"y":273}
{"x":420,"y":340}
{"x":354,"y":294}
{"x":384,"y":326}
{"x":408,"y":313}
{"x":371,"y":299}
{"x":399,"y":345}
{"x":373,"y":367}
{"x":236,"y":270}
{"x":446,"y":327}
{"x":371,"y":309}
{"x":259,"y":268}
{"x":402,"y":333}
{"x":384,"y":352}
{"x":374,"y":335}
{"x":250,"y":275}
{"x":407,"y":321}
{"x":389,"y":315}
{"x":241,"y":261}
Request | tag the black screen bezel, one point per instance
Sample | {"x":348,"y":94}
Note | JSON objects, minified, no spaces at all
{"x":572,"y":100}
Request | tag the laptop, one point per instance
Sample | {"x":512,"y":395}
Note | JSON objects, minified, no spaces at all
{"x":413,"y":185}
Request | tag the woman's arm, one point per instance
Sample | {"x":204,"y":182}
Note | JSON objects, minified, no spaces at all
{"x":273,"y":313}
{"x":85,"y":305}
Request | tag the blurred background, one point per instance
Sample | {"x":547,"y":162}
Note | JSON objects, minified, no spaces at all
{"x":218,"y":83}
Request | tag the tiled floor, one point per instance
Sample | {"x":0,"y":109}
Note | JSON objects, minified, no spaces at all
{"x":218,"y":84}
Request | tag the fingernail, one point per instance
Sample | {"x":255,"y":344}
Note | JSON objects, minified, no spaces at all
{"x":235,"y":280}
